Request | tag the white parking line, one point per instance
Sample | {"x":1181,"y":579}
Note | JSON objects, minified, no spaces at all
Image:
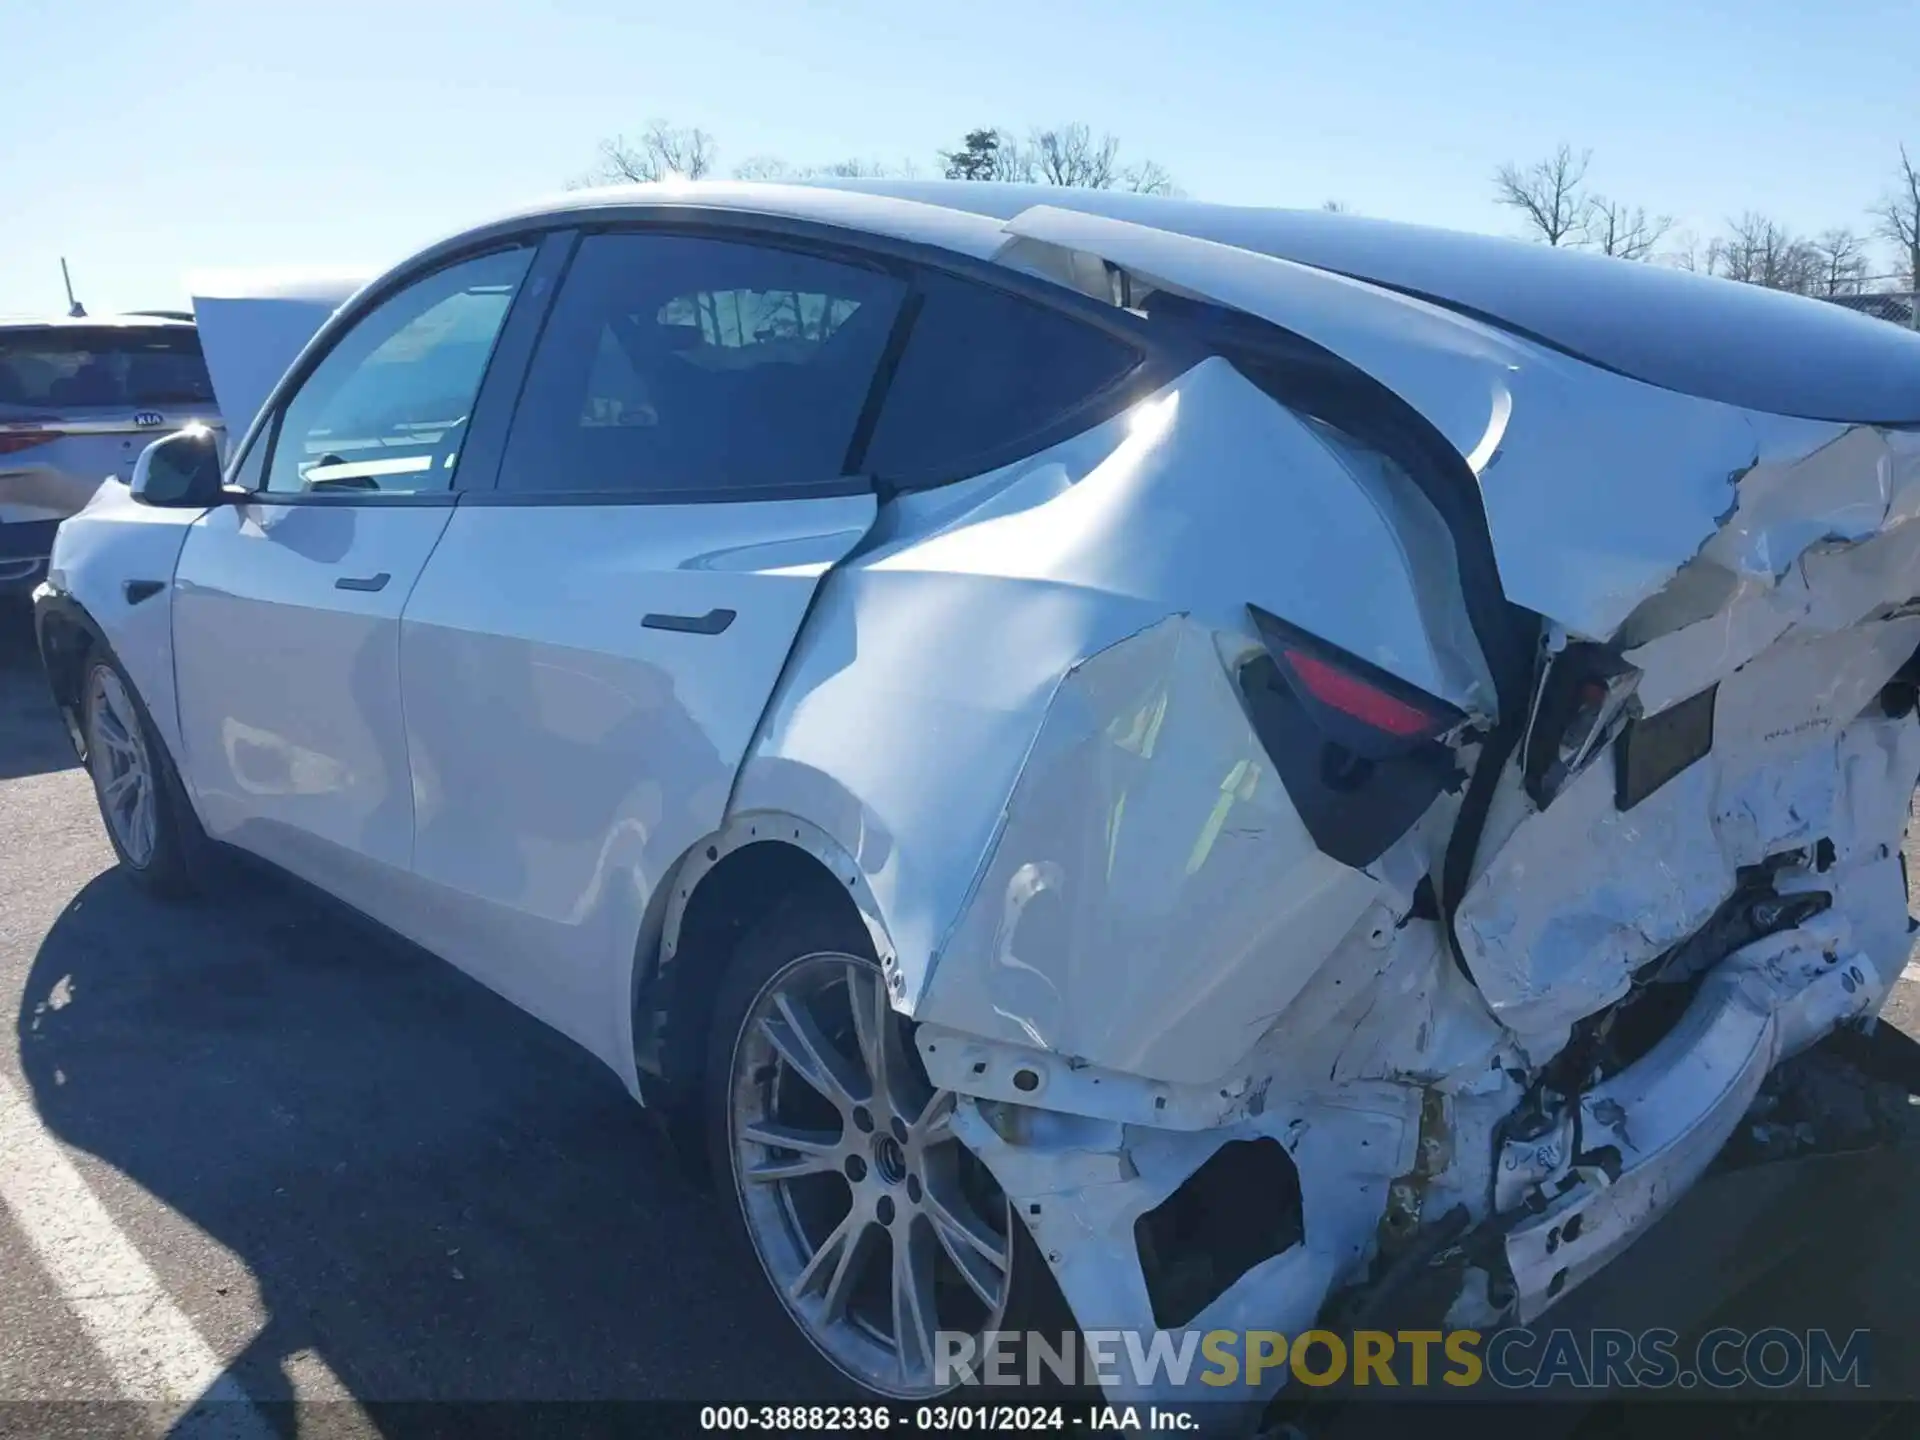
{"x":155,"y":1355}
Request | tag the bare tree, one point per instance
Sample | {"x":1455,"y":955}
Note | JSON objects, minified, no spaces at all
{"x":1548,"y":195}
{"x":1336,"y":207}
{"x":1017,"y":162}
{"x":1897,"y":218}
{"x":772,"y":167}
{"x":1628,"y":233}
{"x":1685,"y":254}
{"x":1149,"y":177}
{"x":858,"y":169}
{"x":763,"y":167}
{"x":1071,"y":156}
{"x":661,"y":152}
{"x":1840,"y":263}
{"x":1757,"y":250}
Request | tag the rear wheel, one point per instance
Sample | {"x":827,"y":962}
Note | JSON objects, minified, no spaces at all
{"x":875,"y":1225}
{"x":147,"y":817}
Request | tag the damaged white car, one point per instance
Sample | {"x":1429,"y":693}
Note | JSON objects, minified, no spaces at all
{"x":1162,"y":755}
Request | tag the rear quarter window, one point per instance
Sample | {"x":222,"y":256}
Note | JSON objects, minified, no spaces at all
{"x":986,"y":376}
{"x":76,"y":367}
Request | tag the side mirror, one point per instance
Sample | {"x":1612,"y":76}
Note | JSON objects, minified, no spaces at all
{"x":181,"y":471}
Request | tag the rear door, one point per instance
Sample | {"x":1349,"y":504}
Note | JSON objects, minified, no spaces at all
{"x":587,"y":654}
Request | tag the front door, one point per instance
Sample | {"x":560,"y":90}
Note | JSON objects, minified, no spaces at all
{"x":287,"y":605}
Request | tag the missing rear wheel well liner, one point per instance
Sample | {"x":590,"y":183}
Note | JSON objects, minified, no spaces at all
{"x":1241,"y":1207}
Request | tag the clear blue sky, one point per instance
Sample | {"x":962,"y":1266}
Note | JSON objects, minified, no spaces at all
{"x":152,"y":139}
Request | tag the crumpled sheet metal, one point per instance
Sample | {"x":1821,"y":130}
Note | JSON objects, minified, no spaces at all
{"x":1153,"y":902}
{"x":1387,"y":1005}
{"x":1815,"y":545}
{"x":1581,"y":895}
{"x":979,"y":598}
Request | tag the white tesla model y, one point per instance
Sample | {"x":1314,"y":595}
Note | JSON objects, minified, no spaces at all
{"x":1096,"y":748}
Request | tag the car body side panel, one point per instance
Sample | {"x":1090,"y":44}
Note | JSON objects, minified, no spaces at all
{"x":114,"y":540}
{"x":564,"y":754}
{"x":290,"y":685}
{"x":944,"y":716}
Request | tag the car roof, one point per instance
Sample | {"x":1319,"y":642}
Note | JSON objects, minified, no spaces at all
{"x":1699,"y":335}
{"x":92,"y":322}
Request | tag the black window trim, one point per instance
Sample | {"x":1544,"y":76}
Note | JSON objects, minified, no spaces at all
{"x":265,"y":429}
{"x":1161,"y":359}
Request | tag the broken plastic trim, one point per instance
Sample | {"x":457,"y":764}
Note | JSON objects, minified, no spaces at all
{"x":1358,"y":750}
{"x":1582,"y":699}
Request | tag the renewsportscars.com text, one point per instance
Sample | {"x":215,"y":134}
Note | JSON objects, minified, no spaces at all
{"x":1512,"y":1359}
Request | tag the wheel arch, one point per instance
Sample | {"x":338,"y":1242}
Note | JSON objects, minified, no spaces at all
{"x":65,"y":633}
{"x":757,"y":861}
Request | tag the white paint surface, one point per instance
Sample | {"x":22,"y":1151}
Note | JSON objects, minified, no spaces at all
{"x":148,"y":1345}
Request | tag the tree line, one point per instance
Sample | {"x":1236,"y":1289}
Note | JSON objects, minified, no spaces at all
{"x":1551,"y":197}
{"x":1557,"y":205}
{"x":1050,"y":155}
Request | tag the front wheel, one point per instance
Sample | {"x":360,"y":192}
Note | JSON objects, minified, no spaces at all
{"x":877,"y":1228}
{"x":141,"y":800}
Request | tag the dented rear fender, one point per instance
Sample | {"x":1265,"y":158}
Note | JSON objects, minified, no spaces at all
{"x":1021,"y":714}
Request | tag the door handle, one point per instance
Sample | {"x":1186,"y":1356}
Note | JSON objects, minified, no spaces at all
{"x":370,"y":582}
{"x":711,"y":623}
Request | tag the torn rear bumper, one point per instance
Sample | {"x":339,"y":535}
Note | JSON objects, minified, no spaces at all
{"x":1645,"y":1135}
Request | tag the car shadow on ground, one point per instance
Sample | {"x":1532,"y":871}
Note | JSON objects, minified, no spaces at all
{"x":35,"y":741}
{"x":439,"y":1197}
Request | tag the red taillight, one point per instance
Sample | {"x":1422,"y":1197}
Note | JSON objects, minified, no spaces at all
{"x":14,"y":441}
{"x":1353,"y":703}
{"x":1356,"y":698}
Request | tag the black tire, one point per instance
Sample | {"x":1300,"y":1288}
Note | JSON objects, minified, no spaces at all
{"x":804,"y":927}
{"x":171,"y":869}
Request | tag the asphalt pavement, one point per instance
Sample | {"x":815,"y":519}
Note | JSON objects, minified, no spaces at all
{"x":253,"y":1151}
{"x":328,"y":1161}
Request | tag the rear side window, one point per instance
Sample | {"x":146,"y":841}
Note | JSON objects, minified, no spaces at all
{"x":680,"y":363}
{"x":984,"y":373}
{"x":60,"y":367}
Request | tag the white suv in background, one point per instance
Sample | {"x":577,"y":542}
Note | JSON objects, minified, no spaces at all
{"x":79,"y":400}
{"x":1211,"y":763}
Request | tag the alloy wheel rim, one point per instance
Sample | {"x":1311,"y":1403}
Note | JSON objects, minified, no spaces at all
{"x":122,"y":769}
{"x":877,"y":1227}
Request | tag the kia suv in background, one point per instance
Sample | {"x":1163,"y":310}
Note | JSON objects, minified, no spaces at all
{"x":79,"y":400}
